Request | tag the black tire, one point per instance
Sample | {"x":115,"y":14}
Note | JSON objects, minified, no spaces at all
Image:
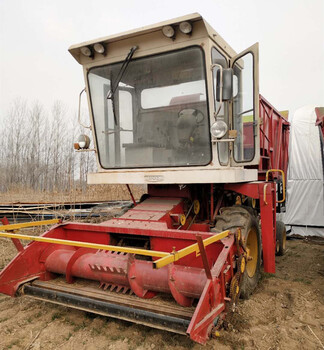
{"x":281,"y":236}
{"x":239,"y":217}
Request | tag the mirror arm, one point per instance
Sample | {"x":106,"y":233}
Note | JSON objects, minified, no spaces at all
{"x":221,"y":88}
{"x":79,"y":112}
{"x":86,"y":150}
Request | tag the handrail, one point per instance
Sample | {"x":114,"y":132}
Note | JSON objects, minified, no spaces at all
{"x":283,"y":182}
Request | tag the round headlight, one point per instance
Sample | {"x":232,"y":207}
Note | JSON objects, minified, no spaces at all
{"x":219,"y":129}
{"x":84,"y":141}
{"x":168,"y":31}
{"x":86,"y":51}
{"x":185,"y":27}
{"x":98,"y":47}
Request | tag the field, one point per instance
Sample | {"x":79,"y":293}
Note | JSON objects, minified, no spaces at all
{"x":91,"y":193}
{"x":285,"y":312}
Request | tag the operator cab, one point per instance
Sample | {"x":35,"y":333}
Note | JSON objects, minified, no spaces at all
{"x":171,"y":103}
{"x":159,"y":114}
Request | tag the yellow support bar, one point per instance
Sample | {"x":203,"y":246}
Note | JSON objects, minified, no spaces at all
{"x":165,"y":258}
{"x":14,"y":227}
{"x":175,"y":256}
{"x":86,"y":245}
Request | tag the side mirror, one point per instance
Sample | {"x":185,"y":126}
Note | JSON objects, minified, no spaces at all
{"x":226,"y":85}
{"x":83,"y":143}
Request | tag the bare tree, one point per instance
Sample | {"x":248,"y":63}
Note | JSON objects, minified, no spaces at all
{"x":36,"y":149}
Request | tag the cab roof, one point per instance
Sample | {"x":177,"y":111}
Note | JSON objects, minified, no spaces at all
{"x":194,"y":17}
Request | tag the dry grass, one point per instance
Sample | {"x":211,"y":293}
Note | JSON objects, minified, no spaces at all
{"x":92,"y":193}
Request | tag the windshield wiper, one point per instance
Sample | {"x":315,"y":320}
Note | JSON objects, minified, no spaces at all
{"x":111,"y":92}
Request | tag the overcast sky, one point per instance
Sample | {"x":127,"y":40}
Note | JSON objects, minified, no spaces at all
{"x":35,"y":36}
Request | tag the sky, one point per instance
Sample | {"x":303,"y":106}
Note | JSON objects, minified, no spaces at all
{"x":35,"y":35}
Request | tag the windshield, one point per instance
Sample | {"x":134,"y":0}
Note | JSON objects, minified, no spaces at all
{"x":160,"y":116}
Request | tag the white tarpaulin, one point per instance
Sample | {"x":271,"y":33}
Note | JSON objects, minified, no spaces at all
{"x":305,"y":186}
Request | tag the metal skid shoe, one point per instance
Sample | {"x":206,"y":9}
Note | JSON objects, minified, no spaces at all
{"x":223,"y":287}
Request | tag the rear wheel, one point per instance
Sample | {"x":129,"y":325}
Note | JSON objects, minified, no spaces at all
{"x":281,"y":237}
{"x":239,"y":217}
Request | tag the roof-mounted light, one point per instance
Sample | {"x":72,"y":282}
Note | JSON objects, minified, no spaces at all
{"x":86,"y":51}
{"x":185,"y":27}
{"x":168,"y":31}
{"x":99,"y":48}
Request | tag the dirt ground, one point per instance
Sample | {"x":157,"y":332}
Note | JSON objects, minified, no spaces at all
{"x":285,"y":312}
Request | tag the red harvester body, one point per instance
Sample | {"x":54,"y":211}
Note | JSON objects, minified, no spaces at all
{"x":213,"y":157}
{"x":152,"y":224}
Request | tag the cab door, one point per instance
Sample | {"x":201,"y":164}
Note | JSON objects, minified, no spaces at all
{"x":245,"y":107}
